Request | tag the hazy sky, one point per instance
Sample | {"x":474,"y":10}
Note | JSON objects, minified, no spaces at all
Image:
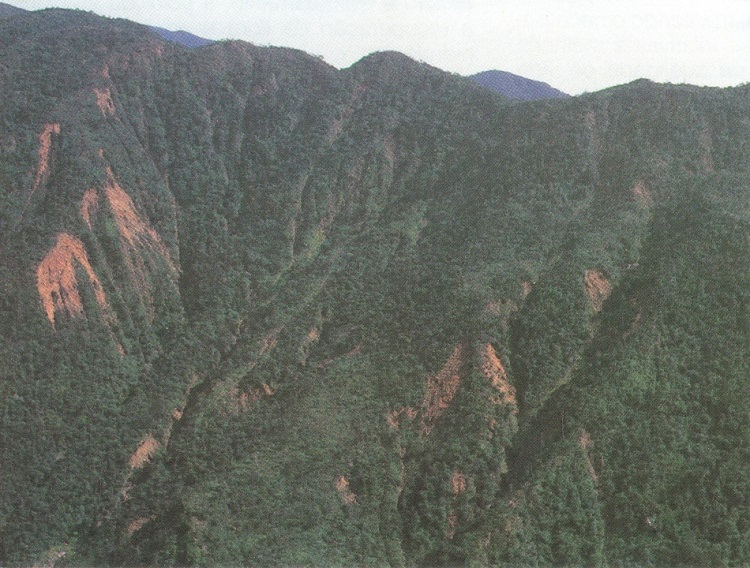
{"x":575,"y":45}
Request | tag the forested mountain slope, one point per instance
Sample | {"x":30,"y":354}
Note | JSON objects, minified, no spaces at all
{"x":257,"y":310}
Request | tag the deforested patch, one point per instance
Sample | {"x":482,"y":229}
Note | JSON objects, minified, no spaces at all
{"x":137,"y":524}
{"x":394,"y":417}
{"x":642,"y":194}
{"x":57,"y":282}
{"x":493,"y":369}
{"x":45,"y":148}
{"x":89,"y":205}
{"x":131,"y":226}
{"x":598,"y":288}
{"x":585,"y":442}
{"x":235,"y":401}
{"x":347,"y":495}
{"x":104,"y":101}
{"x":442,"y":388}
{"x":139,"y":242}
{"x":527,"y":287}
{"x":146,"y":449}
{"x":458,"y":483}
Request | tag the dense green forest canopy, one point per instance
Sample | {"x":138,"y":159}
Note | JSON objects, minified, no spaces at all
{"x":255,"y":310}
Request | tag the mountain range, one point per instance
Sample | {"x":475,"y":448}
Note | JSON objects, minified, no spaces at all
{"x":507,"y":84}
{"x":257,"y":310}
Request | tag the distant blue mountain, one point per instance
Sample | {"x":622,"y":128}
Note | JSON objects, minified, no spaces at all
{"x":515,"y":86}
{"x":183,"y":38}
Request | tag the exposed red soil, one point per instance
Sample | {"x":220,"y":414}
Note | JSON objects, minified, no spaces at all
{"x":104,"y":101}
{"x":56,"y":279}
{"x":495,"y":307}
{"x":342,"y":486}
{"x":642,"y":194}
{"x":458,"y":483}
{"x":528,"y":286}
{"x":598,"y":288}
{"x":254,"y":395}
{"x":130,"y":225}
{"x":493,"y":369}
{"x":235,"y":401}
{"x":89,"y":205}
{"x":269,"y":341}
{"x":137,"y":524}
{"x":442,"y":387}
{"x":394,"y":417}
{"x":136,"y":235}
{"x":145,"y":451}
{"x":45,"y":147}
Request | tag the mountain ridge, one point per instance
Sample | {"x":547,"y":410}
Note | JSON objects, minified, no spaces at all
{"x":255,"y":309}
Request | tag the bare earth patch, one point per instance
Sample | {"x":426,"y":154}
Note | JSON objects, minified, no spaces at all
{"x":138,"y":524}
{"x":458,"y":483}
{"x":89,"y":205}
{"x":441,"y":388}
{"x":585,"y":441}
{"x":145,"y":451}
{"x":342,"y":486}
{"x":642,"y":194}
{"x":598,"y":288}
{"x":56,"y":278}
{"x":493,"y":369}
{"x":45,"y":147}
{"x":104,"y":101}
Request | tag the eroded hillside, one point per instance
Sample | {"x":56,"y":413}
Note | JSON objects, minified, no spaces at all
{"x":257,"y":310}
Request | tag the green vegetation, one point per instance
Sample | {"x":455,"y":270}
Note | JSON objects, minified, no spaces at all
{"x":256,"y":310}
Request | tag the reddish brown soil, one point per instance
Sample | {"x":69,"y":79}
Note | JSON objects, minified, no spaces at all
{"x":458,"y":483}
{"x":342,"y":486}
{"x":138,"y":524}
{"x":394,"y":417}
{"x":235,"y":401}
{"x":493,"y":369}
{"x":528,"y":286}
{"x":56,"y":279}
{"x":136,"y":237}
{"x":145,"y":451}
{"x":642,"y":194}
{"x":89,"y":205}
{"x":45,"y":147}
{"x":104,"y":101}
{"x":442,"y":387}
{"x":598,"y":287}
